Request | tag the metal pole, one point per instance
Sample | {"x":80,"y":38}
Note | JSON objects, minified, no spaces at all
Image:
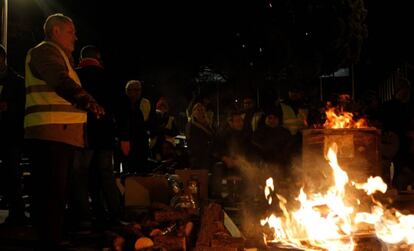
{"x":4,"y":18}
{"x":218,"y":104}
{"x":321,"y":88}
{"x":353,"y":82}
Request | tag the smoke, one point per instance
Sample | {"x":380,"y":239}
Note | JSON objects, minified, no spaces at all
{"x":310,"y":171}
{"x":254,"y":204}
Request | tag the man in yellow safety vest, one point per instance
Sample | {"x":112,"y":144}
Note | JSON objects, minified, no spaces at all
{"x":55,"y":115}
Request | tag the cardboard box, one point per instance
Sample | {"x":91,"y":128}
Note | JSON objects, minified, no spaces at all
{"x":201,"y":175}
{"x":142,"y":191}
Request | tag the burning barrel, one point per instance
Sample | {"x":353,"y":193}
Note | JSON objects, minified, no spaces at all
{"x":358,"y":151}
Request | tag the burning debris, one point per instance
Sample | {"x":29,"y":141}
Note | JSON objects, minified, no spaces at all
{"x":331,"y":220}
{"x":337,"y":118}
{"x":162,"y":229}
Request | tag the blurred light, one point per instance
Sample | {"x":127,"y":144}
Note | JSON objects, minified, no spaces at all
{"x":260,"y":50}
{"x":243,"y":46}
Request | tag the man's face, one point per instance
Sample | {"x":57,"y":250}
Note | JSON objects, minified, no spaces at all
{"x":134,"y":92}
{"x":248,"y":103}
{"x":272,"y":121}
{"x":65,"y":35}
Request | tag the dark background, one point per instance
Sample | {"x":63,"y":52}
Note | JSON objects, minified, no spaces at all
{"x":243,"y":45}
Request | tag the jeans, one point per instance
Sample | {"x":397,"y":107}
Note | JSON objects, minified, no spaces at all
{"x":93,"y":175}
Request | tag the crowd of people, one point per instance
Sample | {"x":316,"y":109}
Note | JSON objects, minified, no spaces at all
{"x":75,"y":134}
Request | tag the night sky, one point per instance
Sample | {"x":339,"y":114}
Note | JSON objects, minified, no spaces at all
{"x":166,"y":42}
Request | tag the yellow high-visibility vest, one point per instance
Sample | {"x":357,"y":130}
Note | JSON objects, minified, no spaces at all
{"x":294,"y":122}
{"x":254,"y":123}
{"x":43,"y":105}
{"x":145,"y":107}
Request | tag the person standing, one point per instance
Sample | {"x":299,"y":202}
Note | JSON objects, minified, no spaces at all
{"x":55,"y":115}
{"x":93,"y":172}
{"x":134,"y":118}
{"x":295,"y":114}
{"x":231,"y":146}
{"x":164,"y":126}
{"x":12,"y":99}
{"x":273,"y":141}
{"x":199,"y":137}
{"x":294,"y":111}
{"x":397,"y":118}
{"x":251,"y":115}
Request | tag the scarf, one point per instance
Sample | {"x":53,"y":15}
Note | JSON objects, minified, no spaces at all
{"x":90,"y":61}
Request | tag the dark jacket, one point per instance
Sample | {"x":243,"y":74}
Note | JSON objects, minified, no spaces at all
{"x":11,"y":120}
{"x":199,"y":141}
{"x":162,"y":126}
{"x":97,"y":82}
{"x":232,"y":143}
{"x":130,"y":120}
{"x":273,"y":144}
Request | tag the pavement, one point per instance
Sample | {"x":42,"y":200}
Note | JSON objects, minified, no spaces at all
{"x":23,"y":238}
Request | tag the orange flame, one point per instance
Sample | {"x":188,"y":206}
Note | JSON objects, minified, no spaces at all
{"x":327,"y":222}
{"x":336,"y":120}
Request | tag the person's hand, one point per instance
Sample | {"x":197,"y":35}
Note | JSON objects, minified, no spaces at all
{"x":96,"y":109}
{"x":125,"y":147}
{"x":3,"y":106}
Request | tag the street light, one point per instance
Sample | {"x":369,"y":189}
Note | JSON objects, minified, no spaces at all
{"x":4,"y":18}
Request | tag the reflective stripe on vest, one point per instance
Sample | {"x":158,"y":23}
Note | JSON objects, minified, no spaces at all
{"x":170,"y":122}
{"x":254,"y":123}
{"x":255,"y":120}
{"x":145,"y":107}
{"x":43,"y":105}
{"x":291,"y":121}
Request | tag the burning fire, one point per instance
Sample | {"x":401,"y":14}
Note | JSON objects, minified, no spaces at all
{"x":339,"y":119}
{"x":329,"y":222}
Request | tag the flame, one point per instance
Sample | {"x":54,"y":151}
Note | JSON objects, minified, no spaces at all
{"x":372,"y":185}
{"x":326,"y":221}
{"x":340,"y":119}
{"x":268,"y":190}
{"x":390,"y":226}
